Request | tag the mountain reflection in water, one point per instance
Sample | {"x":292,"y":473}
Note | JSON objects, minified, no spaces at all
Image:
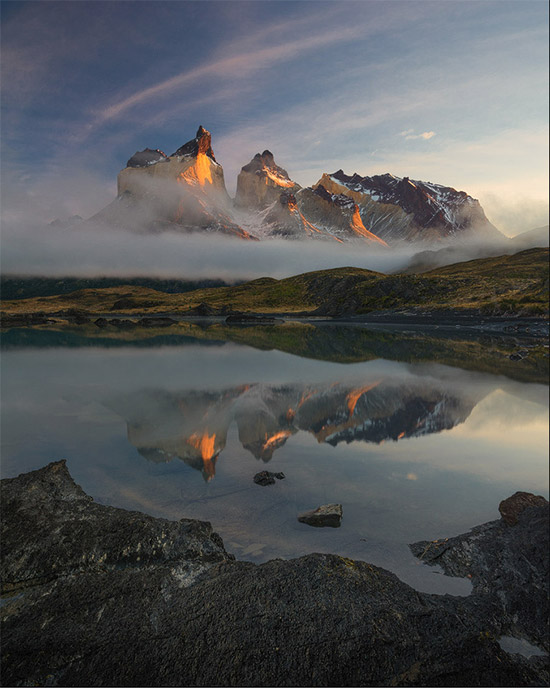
{"x":193,"y":425}
{"x":412,"y":450}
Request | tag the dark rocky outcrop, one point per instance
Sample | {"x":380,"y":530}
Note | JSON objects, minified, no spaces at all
{"x":156,"y":321}
{"x":508,"y":566}
{"x":101,"y":596}
{"x":24,"y":319}
{"x":58,"y":530}
{"x":148,"y":156}
{"x":511,"y":508}
{"x":328,"y":515}
{"x":267,"y":478}
{"x":202,"y":143}
{"x":251,"y":319}
{"x":126,"y":303}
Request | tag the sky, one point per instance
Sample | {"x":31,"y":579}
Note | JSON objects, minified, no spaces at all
{"x":454,"y":92}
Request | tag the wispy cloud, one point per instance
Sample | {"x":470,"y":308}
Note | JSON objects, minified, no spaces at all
{"x":409,"y":135}
{"x":239,"y":66}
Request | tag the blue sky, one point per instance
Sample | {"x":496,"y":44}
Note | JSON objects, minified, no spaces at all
{"x":451,"y":92}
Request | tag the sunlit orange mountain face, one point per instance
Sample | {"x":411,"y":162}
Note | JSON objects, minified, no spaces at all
{"x":193,"y":426}
{"x":185,"y":192}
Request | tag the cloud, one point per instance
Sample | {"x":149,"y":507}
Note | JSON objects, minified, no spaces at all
{"x":515,"y":213}
{"x":29,"y":247}
{"x":506,"y":171}
{"x":240,"y":66}
{"x":33,"y":198}
{"x":409,"y":135}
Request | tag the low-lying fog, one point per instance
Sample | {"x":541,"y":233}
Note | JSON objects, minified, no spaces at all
{"x":33,"y":248}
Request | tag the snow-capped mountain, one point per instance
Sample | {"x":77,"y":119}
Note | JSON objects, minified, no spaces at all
{"x":283,"y":209}
{"x":186,"y":192}
{"x":182,"y":192}
{"x":402,"y":208}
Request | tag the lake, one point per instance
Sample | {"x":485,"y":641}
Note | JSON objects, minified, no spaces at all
{"x":412,"y":448}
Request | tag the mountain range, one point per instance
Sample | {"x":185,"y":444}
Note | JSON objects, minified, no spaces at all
{"x":186,"y":192}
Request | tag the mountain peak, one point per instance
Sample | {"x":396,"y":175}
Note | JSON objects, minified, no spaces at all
{"x":146,"y":157}
{"x":263,"y":162}
{"x":434,"y":210}
{"x":202,"y":143}
{"x":261,"y":181}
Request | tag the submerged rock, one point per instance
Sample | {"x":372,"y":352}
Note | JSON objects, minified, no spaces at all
{"x":326,"y":515}
{"x":267,"y":478}
{"x":103,"y":596}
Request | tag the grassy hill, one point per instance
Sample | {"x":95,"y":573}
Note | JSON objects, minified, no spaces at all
{"x":516,"y":284}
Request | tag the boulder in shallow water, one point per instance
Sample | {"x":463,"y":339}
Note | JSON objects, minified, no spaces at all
{"x":267,"y":478}
{"x":511,"y":508}
{"x":326,"y":515}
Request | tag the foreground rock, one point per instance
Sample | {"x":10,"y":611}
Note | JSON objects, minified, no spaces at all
{"x":507,"y":561}
{"x":326,"y":515}
{"x":103,"y":596}
{"x":61,"y":531}
{"x":511,"y":508}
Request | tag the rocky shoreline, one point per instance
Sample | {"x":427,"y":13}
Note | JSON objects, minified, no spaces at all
{"x":95,"y":595}
{"x":510,"y":325}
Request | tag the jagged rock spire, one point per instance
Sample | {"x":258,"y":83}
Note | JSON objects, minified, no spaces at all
{"x":202,"y":143}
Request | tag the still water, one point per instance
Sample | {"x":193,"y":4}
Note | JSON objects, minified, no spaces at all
{"x":411,"y":450}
